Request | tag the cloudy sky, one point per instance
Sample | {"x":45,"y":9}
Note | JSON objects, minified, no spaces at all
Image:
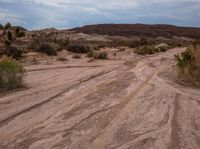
{"x":36,"y":14}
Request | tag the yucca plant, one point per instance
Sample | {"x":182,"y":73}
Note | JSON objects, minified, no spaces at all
{"x":11,"y":35}
{"x":7,"y":26}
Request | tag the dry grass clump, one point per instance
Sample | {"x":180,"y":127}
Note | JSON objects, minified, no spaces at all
{"x":188,"y":63}
{"x":11,"y":74}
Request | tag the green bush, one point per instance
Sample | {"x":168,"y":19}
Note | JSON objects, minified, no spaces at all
{"x":11,"y":75}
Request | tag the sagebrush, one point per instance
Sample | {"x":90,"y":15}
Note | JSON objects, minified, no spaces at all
{"x":11,"y":75}
{"x":188,"y":63}
{"x":97,"y":55}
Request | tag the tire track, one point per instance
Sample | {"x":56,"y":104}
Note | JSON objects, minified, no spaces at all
{"x":6,"y":120}
{"x":99,"y":141}
{"x":174,"y":125}
{"x":7,"y":136}
{"x":62,"y":67}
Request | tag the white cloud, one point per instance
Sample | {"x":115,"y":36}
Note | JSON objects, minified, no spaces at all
{"x":70,"y":13}
{"x":7,"y":16}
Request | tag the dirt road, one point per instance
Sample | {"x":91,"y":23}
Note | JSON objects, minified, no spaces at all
{"x":130,"y":103}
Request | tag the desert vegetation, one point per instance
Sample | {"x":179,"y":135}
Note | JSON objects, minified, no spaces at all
{"x":8,"y":38}
{"x":188,"y":63}
{"x":97,"y":55}
{"x":76,"y":56}
{"x":62,"y":58}
{"x":78,"y":48}
{"x":11,"y":74}
{"x":48,"y":45}
{"x":151,"y":49}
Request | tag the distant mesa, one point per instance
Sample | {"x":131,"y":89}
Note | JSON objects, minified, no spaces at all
{"x":159,"y":30}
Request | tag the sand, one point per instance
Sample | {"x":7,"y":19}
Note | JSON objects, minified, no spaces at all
{"x":128,"y":102}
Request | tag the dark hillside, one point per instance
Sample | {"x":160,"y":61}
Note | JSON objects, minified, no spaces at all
{"x":167,"y":31}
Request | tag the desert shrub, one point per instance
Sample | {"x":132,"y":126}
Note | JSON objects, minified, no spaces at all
{"x":76,"y":56}
{"x":48,"y":48}
{"x":35,"y":61}
{"x":129,"y":42}
{"x":188,"y":64}
{"x":11,"y":75}
{"x":98,"y":47}
{"x":91,"y":60}
{"x":19,"y":33}
{"x":62,"y":59}
{"x":56,"y":43}
{"x":102,"y":55}
{"x":1,"y":26}
{"x":34,"y":44}
{"x":12,"y":51}
{"x":125,"y":42}
{"x":143,"y":41}
{"x":8,"y":38}
{"x":162,"y":49}
{"x":7,"y":42}
{"x":7,"y":26}
{"x":97,"y":55}
{"x":62,"y":42}
{"x":146,"y":50}
{"x":91,"y":54}
{"x":78,"y":48}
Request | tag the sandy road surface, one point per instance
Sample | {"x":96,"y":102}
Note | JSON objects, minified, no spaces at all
{"x":132,"y":103}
